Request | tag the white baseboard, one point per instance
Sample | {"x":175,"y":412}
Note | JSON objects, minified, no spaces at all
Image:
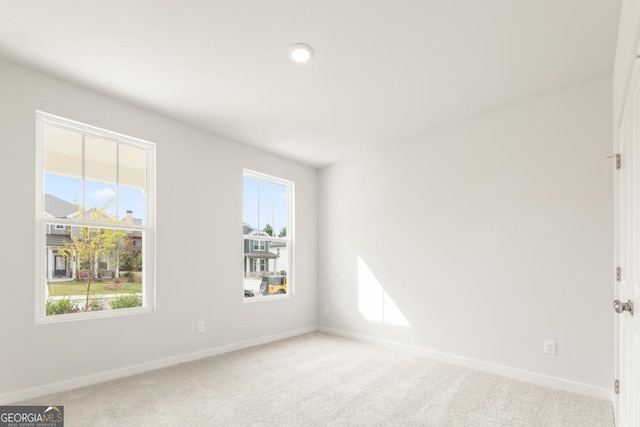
{"x":57,"y":387}
{"x":519,"y":374}
{"x":541,"y":379}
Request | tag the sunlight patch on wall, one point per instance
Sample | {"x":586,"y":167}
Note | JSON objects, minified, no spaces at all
{"x":374,"y":303}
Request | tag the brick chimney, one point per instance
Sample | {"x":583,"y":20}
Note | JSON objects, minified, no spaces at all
{"x":129,"y":217}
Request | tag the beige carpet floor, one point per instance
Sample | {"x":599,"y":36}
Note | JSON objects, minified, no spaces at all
{"x":321,"y":380}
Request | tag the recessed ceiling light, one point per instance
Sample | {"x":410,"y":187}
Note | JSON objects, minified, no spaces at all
{"x":300,"y":52}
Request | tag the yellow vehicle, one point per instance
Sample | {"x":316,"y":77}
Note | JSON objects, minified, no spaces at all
{"x":273,"y":285}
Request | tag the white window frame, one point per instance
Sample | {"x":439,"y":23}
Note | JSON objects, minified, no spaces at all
{"x":148,"y":229}
{"x":259,"y":245}
{"x":289,"y":240}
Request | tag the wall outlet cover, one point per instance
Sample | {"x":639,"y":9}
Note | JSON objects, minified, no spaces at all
{"x":550,"y":347}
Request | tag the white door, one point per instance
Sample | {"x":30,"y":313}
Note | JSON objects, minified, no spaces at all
{"x":627,"y":255}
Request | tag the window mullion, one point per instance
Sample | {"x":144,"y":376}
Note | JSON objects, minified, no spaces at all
{"x":258,"y":192}
{"x":82,"y":180}
{"x":117,"y":180}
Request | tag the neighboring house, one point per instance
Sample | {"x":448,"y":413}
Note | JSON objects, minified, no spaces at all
{"x":57,"y":235}
{"x":281,"y":262}
{"x":134,"y":241}
{"x":258,"y":256}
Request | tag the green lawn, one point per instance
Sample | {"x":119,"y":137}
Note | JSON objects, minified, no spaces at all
{"x":57,"y":289}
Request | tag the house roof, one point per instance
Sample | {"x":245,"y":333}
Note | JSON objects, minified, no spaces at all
{"x":249,"y":230}
{"x":57,"y":239}
{"x":260,"y":254}
{"x":57,"y":207}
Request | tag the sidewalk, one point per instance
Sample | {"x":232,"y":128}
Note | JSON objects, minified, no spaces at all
{"x":92,"y":296}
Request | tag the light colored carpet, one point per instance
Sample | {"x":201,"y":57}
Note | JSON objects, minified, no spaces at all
{"x":321,"y":380}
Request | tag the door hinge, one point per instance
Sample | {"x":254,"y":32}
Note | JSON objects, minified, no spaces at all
{"x":618,"y":158}
{"x":616,"y":386}
{"x":618,"y":274}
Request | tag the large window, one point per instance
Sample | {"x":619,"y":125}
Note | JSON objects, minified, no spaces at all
{"x":267,"y":232}
{"x":95,"y":212}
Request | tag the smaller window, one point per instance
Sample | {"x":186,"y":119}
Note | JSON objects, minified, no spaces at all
{"x":267,"y":229}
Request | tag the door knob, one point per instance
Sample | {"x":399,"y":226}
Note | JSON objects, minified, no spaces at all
{"x":619,"y":306}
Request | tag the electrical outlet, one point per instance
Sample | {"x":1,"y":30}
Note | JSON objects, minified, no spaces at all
{"x":550,"y":347}
{"x":200,"y":327}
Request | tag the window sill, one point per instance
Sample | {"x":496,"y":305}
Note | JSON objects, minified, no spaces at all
{"x":104,"y":314}
{"x":261,"y":298}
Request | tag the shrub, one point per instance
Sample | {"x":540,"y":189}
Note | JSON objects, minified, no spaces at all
{"x":125,"y":260}
{"x":61,"y":306}
{"x":125,"y":301}
{"x":96,"y":305}
{"x":131,"y":276}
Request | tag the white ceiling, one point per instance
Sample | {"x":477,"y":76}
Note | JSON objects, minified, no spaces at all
{"x":383,"y":71}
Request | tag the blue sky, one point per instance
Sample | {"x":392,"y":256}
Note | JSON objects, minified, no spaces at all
{"x":264,"y":203}
{"x":97,"y":194}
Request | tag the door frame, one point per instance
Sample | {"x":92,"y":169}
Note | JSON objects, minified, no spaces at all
{"x":631,"y":114}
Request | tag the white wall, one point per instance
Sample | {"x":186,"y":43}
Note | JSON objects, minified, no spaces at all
{"x":199,"y":261}
{"x":489,"y":237}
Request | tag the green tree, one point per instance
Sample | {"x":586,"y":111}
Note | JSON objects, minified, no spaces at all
{"x":119,"y":243}
{"x":130,"y":260}
{"x":283,"y":232}
{"x":125,"y":261}
{"x":268,"y":229}
{"x":136,"y":261}
{"x":89,"y":245}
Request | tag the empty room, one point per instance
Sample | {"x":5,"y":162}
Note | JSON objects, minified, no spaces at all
{"x":436,"y":198}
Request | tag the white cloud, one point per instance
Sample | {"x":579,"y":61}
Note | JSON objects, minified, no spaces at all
{"x":104,"y":194}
